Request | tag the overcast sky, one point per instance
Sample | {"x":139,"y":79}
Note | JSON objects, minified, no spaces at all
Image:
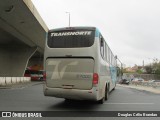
{"x":130,"y":27}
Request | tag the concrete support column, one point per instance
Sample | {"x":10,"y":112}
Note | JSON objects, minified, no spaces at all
{"x":14,"y":60}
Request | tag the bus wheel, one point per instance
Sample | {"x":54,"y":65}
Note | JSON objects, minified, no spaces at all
{"x":114,"y":88}
{"x":106,"y":93}
{"x":102,"y":100}
{"x":105,"y":96}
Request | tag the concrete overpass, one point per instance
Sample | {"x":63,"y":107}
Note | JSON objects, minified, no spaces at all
{"x":22,"y":34}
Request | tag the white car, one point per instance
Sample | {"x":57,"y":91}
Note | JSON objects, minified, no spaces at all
{"x":138,"y":79}
{"x":151,"y":81}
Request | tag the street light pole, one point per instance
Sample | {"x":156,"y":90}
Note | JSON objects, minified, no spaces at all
{"x":69,"y":17}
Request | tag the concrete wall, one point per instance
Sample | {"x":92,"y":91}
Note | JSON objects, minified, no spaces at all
{"x":21,"y":29}
{"x":34,"y":11}
{"x":36,"y":61}
{"x":14,"y":60}
{"x":4,"y":62}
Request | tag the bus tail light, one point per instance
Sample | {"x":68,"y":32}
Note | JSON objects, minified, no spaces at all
{"x":95,"y":78}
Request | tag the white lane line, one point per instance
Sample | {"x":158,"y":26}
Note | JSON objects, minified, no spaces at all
{"x":130,"y":103}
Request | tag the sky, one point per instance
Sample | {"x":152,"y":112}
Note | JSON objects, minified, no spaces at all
{"x":130,"y":27}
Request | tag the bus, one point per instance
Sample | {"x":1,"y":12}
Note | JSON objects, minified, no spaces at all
{"x":79,"y":64}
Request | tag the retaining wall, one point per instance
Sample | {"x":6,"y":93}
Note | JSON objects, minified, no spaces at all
{"x":147,"y":84}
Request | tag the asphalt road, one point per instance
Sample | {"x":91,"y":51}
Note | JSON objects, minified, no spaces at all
{"x":31,"y":98}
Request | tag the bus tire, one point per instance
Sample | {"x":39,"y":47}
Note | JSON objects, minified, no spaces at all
{"x":105,"y":96}
{"x":114,"y":88}
{"x":106,"y":93}
{"x":41,"y":79}
{"x":102,"y":100}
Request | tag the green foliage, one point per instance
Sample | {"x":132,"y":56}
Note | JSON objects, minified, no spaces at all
{"x":148,"y":69}
{"x":157,"y":68}
{"x":139,"y":71}
{"x":153,"y":68}
{"x":157,"y":72}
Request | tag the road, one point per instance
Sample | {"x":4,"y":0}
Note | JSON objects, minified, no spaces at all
{"x":31,"y":98}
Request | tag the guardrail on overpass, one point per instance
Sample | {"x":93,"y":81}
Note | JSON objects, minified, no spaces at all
{"x":7,"y":81}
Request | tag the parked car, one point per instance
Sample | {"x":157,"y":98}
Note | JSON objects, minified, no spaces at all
{"x":35,"y":75}
{"x":138,"y":80}
{"x":154,"y":81}
{"x":124,"y":81}
{"x":151,"y":81}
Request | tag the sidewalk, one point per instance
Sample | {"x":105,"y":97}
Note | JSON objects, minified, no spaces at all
{"x":138,"y":87}
{"x":22,"y":85}
{"x":13,"y":86}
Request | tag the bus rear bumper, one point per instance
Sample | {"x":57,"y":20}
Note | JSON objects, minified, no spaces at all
{"x":76,"y":94}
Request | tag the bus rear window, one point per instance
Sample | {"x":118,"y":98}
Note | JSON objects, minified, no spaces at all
{"x":71,"y":39}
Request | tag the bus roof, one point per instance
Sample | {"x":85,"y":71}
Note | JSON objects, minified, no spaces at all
{"x":72,"y":28}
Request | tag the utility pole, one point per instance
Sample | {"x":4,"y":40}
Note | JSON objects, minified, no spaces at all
{"x":68,"y":17}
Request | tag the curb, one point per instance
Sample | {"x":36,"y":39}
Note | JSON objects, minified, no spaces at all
{"x":138,"y":87}
{"x":13,"y":86}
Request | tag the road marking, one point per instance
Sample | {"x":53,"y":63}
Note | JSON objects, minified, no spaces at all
{"x":130,"y":103}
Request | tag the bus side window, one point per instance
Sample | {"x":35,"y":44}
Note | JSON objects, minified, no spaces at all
{"x":102,"y":46}
{"x":107,"y":53}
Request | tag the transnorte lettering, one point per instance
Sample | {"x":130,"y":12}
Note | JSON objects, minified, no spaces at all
{"x":71,"y":33}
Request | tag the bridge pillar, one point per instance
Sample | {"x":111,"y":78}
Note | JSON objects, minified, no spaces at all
{"x":14,"y":59}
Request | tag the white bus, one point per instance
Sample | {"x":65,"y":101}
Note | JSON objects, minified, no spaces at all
{"x":79,"y":64}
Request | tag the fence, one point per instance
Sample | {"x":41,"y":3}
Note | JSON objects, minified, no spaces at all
{"x":6,"y":81}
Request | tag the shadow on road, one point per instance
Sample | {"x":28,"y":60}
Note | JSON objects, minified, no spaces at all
{"x":78,"y":105}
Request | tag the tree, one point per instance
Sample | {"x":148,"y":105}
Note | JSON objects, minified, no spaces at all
{"x":139,"y":71}
{"x":148,"y":69}
{"x":154,"y":67}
